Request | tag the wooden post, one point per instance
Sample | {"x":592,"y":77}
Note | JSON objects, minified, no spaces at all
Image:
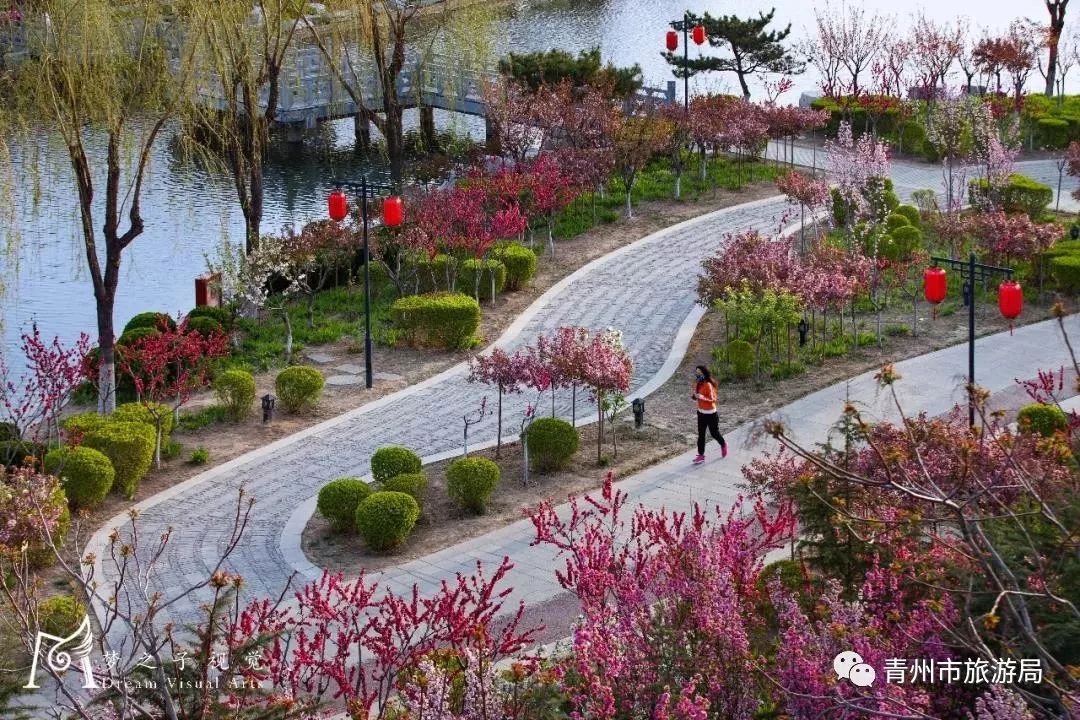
{"x":491,"y":136}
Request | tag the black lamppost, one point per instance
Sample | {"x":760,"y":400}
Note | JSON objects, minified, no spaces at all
{"x":673,"y":44}
{"x":1010,"y":301}
{"x":393,"y":215}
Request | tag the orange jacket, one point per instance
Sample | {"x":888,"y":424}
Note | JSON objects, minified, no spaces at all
{"x":706,"y":396}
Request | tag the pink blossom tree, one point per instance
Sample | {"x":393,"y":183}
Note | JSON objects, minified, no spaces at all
{"x":52,"y":373}
{"x":607,"y":368}
{"x":502,"y":370}
{"x":551,"y":189}
{"x":804,"y":191}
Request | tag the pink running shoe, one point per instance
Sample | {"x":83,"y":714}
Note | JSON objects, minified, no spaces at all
{"x":723,"y":451}
{"x":698,"y":459}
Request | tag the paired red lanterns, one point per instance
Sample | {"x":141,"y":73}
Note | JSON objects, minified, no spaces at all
{"x":935,"y":286}
{"x":699,"y":34}
{"x":393,"y":211}
{"x":672,"y":40}
{"x":1010,"y":299}
{"x":338,"y":205}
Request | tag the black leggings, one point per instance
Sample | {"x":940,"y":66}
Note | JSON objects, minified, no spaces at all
{"x":710,"y":422}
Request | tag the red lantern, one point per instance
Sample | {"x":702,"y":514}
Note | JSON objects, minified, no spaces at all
{"x":699,"y":34}
{"x":339,"y":205}
{"x":672,"y":40}
{"x":1010,"y":299}
{"x":393,"y":211}
{"x":935,"y":287}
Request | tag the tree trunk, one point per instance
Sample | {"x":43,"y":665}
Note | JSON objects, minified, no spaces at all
{"x":1057,"y":24}
{"x":498,"y":424}
{"x":629,"y":206}
{"x":288,"y":335}
{"x":599,"y":427}
{"x":552,"y":399}
{"x":157,"y":443}
{"x":573,"y":406}
{"x":678,"y":185}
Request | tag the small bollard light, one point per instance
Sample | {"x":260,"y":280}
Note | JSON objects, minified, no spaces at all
{"x":639,"y":412}
{"x":268,"y":407}
{"x":804,"y":327}
{"x":1074,"y":232}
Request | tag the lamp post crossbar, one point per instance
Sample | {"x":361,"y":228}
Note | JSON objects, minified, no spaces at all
{"x":366,"y":189}
{"x":683,"y":26}
{"x":972,"y":271}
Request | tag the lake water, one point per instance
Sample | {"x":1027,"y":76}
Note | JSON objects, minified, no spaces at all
{"x":189,"y":213}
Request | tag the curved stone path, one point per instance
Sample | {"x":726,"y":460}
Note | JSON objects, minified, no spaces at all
{"x":646,"y":290}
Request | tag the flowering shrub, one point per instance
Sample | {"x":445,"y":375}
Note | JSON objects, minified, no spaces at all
{"x":33,"y":515}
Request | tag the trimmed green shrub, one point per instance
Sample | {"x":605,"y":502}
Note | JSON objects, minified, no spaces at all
{"x":470,"y":482}
{"x":912,"y":136}
{"x":152,"y":320}
{"x":911,"y":213}
{"x":448,"y":320}
{"x":476,"y":275}
{"x":338,"y":500}
{"x":740,"y":357}
{"x":1066,"y":271}
{"x":299,"y":387}
{"x":839,"y":208}
{"x":900,"y":243}
{"x":1020,"y":194}
{"x":415,"y":485}
{"x":86,"y":474}
{"x":551,"y":442}
{"x":138,"y":412}
{"x":205,"y":326}
{"x":896,"y":220}
{"x":132,"y":336}
{"x":431,"y":273}
{"x":221,"y":315}
{"x":129,"y":447}
{"x":235,"y":390}
{"x":520,"y":264}
{"x":1052,"y":133}
{"x":60,"y":615}
{"x":1046,"y":420}
{"x":83,"y":423}
{"x":9,"y":431}
{"x":199,"y":456}
{"x":393,"y":460}
{"x":385,"y":518}
{"x":16,"y":453}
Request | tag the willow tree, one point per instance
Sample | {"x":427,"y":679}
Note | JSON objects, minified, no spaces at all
{"x":369,"y":44}
{"x":243,"y":54}
{"x":101,"y":73}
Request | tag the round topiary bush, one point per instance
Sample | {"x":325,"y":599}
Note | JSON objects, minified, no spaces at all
{"x":132,"y":336}
{"x":299,"y":387}
{"x":896,"y":220}
{"x":129,"y":447}
{"x":150,"y":414}
{"x":235,"y":391}
{"x":60,"y":615}
{"x":911,"y":213}
{"x":385,"y":518}
{"x":740,"y":357}
{"x":476,"y":275}
{"x":86,"y":474}
{"x":204,"y":326}
{"x":520,"y":264}
{"x":415,"y":485}
{"x":470,"y":482}
{"x":393,"y":460}
{"x":338,"y":500}
{"x":1046,"y":420}
{"x":899,"y":244}
{"x":551,"y":443}
{"x":9,"y":431}
{"x":220,"y":315}
{"x":448,"y":320}
{"x":152,"y":320}
{"x":77,"y":426}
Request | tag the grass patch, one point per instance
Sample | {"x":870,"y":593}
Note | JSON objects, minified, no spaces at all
{"x":205,"y":417}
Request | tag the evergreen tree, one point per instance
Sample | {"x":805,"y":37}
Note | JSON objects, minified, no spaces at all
{"x":552,"y":67}
{"x":752,"y":48}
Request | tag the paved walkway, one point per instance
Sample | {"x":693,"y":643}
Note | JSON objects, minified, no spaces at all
{"x":909,"y":176}
{"x":646,"y":289}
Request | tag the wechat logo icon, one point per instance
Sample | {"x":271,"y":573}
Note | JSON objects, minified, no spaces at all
{"x":850,"y":666}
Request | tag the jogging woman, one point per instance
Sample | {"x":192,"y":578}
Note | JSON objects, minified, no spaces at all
{"x":707,"y":418}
